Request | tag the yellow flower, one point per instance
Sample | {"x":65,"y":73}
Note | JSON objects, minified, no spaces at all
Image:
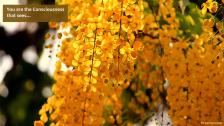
{"x":44,"y":117}
{"x":38,"y":123}
{"x":96,"y":63}
{"x":211,"y":5}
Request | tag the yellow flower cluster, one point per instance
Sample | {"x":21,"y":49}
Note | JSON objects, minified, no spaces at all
{"x":103,"y":44}
{"x":195,"y":75}
{"x":101,"y":47}
{"x":193,"y":68}
{"x":107,"y":47}
{"x":210,"y":5}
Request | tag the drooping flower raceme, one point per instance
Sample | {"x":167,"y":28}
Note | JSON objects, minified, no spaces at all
{"x":99,"y":48}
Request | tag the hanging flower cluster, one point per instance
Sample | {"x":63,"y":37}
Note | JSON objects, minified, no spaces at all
{"x":103,"y":44}
{"x":210,"y":5}
{"x":121,"y":71}
{"x":100,"y":49}
{"x":193,"y":69}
